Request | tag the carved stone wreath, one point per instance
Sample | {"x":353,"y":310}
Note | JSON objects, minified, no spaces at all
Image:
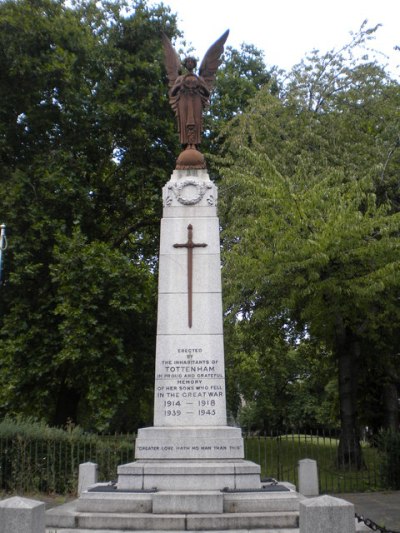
{"x":189,"y":199}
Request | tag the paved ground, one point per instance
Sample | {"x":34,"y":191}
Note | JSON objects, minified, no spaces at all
{"x":381,"y":507}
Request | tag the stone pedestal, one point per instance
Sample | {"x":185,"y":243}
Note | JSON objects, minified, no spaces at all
{"x":22,"y":515}
{"x":326,"y":514}
{"x":201,"y":442}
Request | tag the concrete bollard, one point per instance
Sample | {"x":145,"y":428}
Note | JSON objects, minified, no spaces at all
{"x":308,"y":477}
{"x":20,"y":515}
{"x":87,"y":476}
{"x":326,"y":514}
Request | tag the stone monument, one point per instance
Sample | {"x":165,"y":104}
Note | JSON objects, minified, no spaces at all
{"x":190,"y":472}
{"x":190,"y":425}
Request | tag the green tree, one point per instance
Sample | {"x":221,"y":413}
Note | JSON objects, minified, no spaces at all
{"x":310,"y":214}
{"x":86,"y":142}
{"x":241,"y":75}
{"x":275,"y":381}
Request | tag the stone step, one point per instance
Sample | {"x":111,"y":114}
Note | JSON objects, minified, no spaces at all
{"x":274,"y":530}
{"x":242,"y":521}
{"x":177,"y":522}
{"x":280,"y":530}
{"x":173,"y":502}
{"x":188,"y":475}
{"x":176,"y":502}
{"x":359,"y":527}
{"x":261,"y":502}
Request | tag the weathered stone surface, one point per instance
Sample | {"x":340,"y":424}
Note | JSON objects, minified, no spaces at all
{"x":256,"y":502}
{"x":178,"y":502}
{"x":145,"y":522}
{"x":173,"y":273}
{"x":308,"y":477}
{"x":62,"y":516}
{"x":87,"y":476}
{"x":21,"y":515}
{"x":326,"y":514}
{"x":193,"y":213}
{"x":289,"y":486}
{"x":244,"y":530}
{"x":189,"y":475}
{"x":175,"y":231}
{"x":190,"y":383}
{"x":173,"y":314}
{"x":189,"y":443}
{"x":242,"y":521}
{"x":114,"y":502}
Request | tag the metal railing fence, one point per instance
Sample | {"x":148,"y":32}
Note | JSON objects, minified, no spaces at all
{"x":29,"y":465}
{"x":278,"y":454}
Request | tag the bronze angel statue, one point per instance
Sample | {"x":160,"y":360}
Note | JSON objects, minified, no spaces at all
{"x":189,"y":93}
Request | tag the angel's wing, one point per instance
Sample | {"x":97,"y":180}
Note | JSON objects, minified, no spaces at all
{"x":212,"y":60}
{"x":172,"y":60}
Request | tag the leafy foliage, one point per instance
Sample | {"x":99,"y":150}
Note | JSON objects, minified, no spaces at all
{"x":310,"y":211}
{"x":86,"y":143}
{"x":241,"y":75}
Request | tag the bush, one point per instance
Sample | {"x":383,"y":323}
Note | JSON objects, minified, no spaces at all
{"x":37,"y":458}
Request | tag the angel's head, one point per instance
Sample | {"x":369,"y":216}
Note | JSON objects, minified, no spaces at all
{"x":190,"y":63}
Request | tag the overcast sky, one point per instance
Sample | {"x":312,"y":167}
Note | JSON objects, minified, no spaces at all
{"x":286,"y":30}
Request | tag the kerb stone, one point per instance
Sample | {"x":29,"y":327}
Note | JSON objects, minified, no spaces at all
{"x":326,"y":514}
{"x":20,"y":515}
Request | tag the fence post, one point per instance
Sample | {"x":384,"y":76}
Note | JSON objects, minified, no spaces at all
{"x":87,"y":476}
{"x":22,"y":515}
{"x":308,"y":477}
{"x":326,"y":514}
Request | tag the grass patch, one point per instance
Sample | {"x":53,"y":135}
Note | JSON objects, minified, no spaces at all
{"x":279,"y":456}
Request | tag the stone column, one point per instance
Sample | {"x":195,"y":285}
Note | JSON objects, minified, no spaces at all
{"x":326,"y":514}
{"x":20,"y":515}
{"x":189,"y":403}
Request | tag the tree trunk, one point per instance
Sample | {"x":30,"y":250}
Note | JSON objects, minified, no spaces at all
{"x":391,"y":406}
{"x":348,"y":350}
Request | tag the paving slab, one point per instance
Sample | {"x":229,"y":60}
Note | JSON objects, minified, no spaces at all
{"x":381,"y":507}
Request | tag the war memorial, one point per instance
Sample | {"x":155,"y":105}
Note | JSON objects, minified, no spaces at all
{"x":190,"y":473}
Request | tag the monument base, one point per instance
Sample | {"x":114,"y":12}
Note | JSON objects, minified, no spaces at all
{"x":189,"y":458}
{"x":188,"y":479}
{"x":189,"y":475}
{"x":168,"y":511}
{"x":189,"y":442}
